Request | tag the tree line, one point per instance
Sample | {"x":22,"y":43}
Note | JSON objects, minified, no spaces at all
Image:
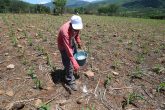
{"x":18,"y":6}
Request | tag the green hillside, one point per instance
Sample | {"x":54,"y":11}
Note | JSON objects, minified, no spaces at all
{"x":134,"y":8}
{"x":145,"y":3}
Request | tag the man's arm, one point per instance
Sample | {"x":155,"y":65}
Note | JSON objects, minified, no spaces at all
{"x":69,"y":52}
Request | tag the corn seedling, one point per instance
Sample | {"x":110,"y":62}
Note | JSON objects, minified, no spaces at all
{"x":89,"y":108}
{"x":31,"y":72}
{"x":107,"y":81}
{"x":132,"y":97}
{"x":138,"y":73}
{"x":40,"y":34}
{"x":44,"y":107}
{"x":38,"y":84}
{"x":161,"y":87}
{"x":24,"y":32}
{"x":30,"y":41}
{"x":40,"y":49}
{"x":24,"y":60}
{"x":157,"y":50}
{"x":139,"y":58}
{"x":5,"y":21}
{"x":162,"y":46}
{"x":120,"y":40}
{"x":116,"y":64}
{"x":158,"y":69}
{"x":48,"y":59}
{"x":53,"y":67}
{"x":14,"y":40}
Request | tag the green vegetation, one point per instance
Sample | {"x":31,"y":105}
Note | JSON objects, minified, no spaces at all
{"x":138,"y":73}
{"x":106,"y":39}
{"x":132,"y":97}
{"x":158,"y":69}
{"x":59,"y":6}
{"x":161,"y":87}
{"x":89,"y":108}
{"x":44,"y":107}
{"x":18,"y":6}
{"x":37,"y":83}
{"x":154,"y":9}
{"x":31,"y":72}
{"x":107,"y":81}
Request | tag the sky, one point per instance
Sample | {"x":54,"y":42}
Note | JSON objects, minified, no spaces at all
{"x":46,"y":1}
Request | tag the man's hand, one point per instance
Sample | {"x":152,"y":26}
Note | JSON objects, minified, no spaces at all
{"x":79,"y":46}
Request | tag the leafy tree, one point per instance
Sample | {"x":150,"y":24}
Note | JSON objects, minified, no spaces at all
{"x":59,"y":6}
{"x":4,"y":5}
{"x":109,"y":9}
{"x":41,"y":9}
{"x":17,"y":6}
{"x":112,"y":9}
{"x":102,"y":10}
{"x":79,"y":10}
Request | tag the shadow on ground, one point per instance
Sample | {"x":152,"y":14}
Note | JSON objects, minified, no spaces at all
{"x":58,"y":76}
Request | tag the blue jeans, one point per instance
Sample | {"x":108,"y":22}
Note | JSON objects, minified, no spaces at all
{"x":68,"y":67}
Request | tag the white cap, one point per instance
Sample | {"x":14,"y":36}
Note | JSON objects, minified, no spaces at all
{"x":76,"y":22}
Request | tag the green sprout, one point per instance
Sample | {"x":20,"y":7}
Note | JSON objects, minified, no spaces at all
{"x":14,"y":41}
{"x":38,"y":84}
{"x":88,"y":108}
{"x":30,"y":41}
{"x":48,"y":59}
{"x":107,"y":81}
{"x":31,"y":72}
{"x":138,"y":73}
{"x":44,"y":107}
{"x":158,"y":69}
{"x":161,"y":87}
{"x":139,"y":58}
{"x":132,"y":97}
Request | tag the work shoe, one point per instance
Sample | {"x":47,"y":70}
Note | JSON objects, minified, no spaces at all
{"x":72,"y":86}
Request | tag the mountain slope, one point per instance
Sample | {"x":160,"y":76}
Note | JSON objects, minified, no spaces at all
{"x":70,"y":3}
{"x":129,"y":4}
{"x":144,"y":4}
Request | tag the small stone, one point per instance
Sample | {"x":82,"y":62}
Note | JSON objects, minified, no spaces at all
{"x":20,"y":46}
{"x":89,"y":73}
{"x":92,"y":58}
{"x":84,"y":89}
{"x":11,"y":66}
{"x":2,"y":92}
{"x":10,"y":93}
{"x":6,"y":54}
{"x":38,"y":102}
{"x":18,"y":106}
{"x":154,"y":91}
{"x":115,"y":73}
{"x":36,"y":34}
{"x":19,"y":30}
{"x":49,"y":88}
{"x":63,"y":102}
{"x":79,"y":101}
